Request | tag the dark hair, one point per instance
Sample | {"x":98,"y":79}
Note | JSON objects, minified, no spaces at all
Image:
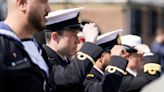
{"x":49,"y":32}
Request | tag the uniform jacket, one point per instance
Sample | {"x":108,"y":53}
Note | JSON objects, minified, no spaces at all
{"x":135,"y":84}
{"x":70,"y":77}
{"x":110,"y":81}
{"x":17,"y":72}
{"x":54,"y":58}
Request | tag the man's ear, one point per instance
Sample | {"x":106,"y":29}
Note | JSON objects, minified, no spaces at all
{"x":55,"y":37}
{"x":22,"y":4}
{"x":102,"y":55}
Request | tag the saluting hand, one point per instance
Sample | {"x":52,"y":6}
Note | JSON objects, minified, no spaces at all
{"x":119,"y":50}
{"x":90,"y":32}
{"x":142,"y":48}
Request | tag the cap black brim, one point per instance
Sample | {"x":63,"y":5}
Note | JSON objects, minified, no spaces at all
{"x":129,"y":49}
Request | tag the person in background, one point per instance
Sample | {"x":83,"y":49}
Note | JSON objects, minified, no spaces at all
{"x":141,"y":67}
{"x":136,"y":57}
{"x":107,"y":73}
{"x":157,"y":45}
{"x":67,"y":75}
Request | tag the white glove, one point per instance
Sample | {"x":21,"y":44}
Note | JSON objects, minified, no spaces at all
{"x":90,"y":32}
{"x":144,"y":48}
{"x":119,"y":50}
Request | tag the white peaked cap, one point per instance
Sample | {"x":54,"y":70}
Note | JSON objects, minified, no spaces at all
{"x":131,"y":40}
{"x":62,"y":15}
{"x":109,"y":36}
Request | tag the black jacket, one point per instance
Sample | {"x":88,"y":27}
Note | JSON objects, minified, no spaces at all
{"x":70,"y":78}
{"x":17,"y":72}
{"x":135,"y":84}
{"x":54,"y":58}
{"x":110,"y":81}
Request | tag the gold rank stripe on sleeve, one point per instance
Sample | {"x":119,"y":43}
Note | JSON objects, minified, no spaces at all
{"x":83,"y":56}
{"x":119,"y":40}
{"x":90,"y":75}
{"x":152,"y":68}
{"x":112,"y":69}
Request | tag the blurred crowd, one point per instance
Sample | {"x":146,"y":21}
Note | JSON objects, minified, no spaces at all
{"x":54,"y":51}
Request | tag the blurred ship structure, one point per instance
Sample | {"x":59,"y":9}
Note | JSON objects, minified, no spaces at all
{"x":139,"y":17}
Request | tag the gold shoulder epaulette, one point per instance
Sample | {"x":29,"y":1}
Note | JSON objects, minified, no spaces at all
{"x":113,"y":69}
{"x":83,"y":56}
{"x":152,"y":68}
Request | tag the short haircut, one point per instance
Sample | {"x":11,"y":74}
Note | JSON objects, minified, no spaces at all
{"x":48,"y":34}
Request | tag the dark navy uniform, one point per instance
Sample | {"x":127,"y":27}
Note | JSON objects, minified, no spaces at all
{"x":110,"y":81}
{"x":20,"y":74}
{"x":71,"y":77}
{"x":54,"y":58}
{"x":17,"y":71}
{"x":151,"y":72}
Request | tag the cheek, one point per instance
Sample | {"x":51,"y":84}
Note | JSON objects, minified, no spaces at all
{"x":63,"y":43}
{"x":69,"y":41}
{"x":107,"y":58}
{"x":73,"y":39}
{"x":66,"y":43}
{"x":79,"y":46}
{"x":72,"y":42}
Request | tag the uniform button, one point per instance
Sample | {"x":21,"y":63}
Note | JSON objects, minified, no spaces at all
{"x":13,"y":64}
{"x":14,"y":55}
{"x":25,"y":59}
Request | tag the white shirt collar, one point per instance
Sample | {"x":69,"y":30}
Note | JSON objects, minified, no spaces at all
{"x":35,"y":55}
{"x":131,"y":72}
{"x":99,"y":70}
